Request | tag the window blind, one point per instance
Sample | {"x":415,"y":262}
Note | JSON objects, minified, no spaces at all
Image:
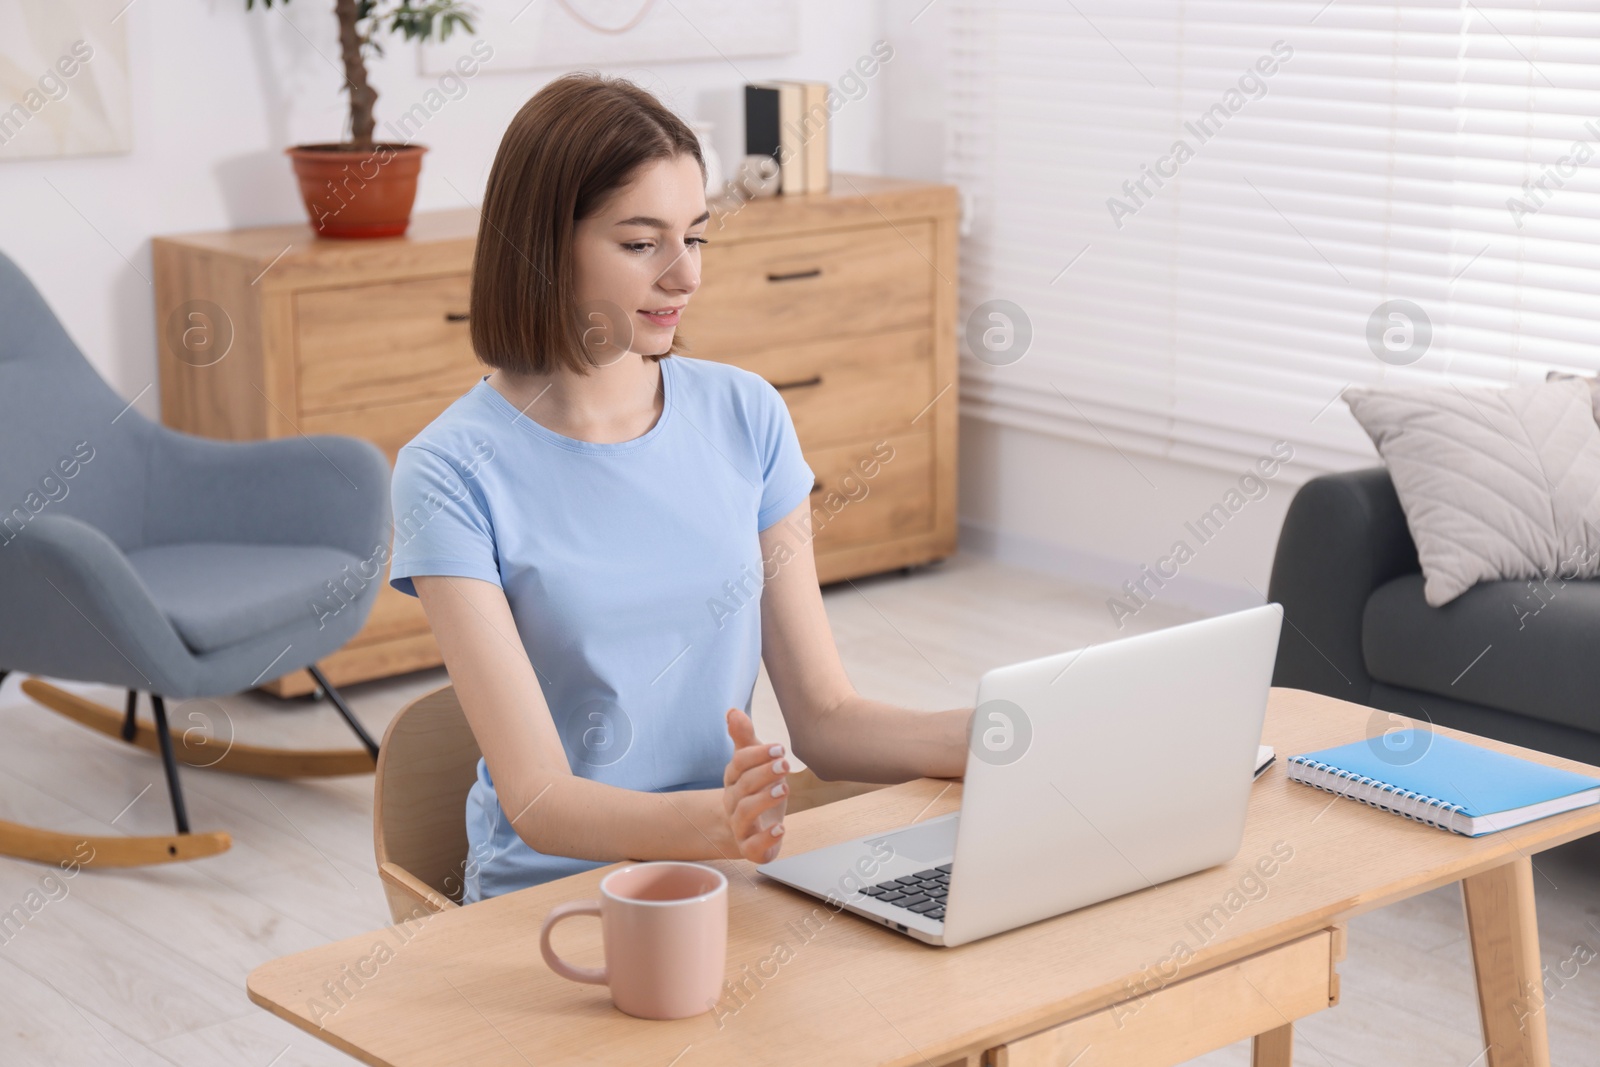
{"x":1215,"y":215}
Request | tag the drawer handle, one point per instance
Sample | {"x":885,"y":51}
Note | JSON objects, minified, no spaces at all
{"x":455,"y":316}
{"x":804,"y":383}
{"x":814,"y":272}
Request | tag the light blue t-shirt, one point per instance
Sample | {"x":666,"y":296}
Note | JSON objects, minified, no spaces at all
{"x":633,"y":571}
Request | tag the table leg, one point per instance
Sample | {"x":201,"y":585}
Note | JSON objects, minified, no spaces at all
{"x":1504,"y":931}
{"x":1275,"y":1048}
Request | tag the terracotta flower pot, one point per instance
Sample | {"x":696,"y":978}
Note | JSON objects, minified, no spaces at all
{"x":358,"y":192}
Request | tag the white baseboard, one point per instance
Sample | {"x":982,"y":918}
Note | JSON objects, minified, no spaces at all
{"x":1204,"y":595}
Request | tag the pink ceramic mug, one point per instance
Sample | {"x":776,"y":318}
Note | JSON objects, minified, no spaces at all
{"x":665,"y":928}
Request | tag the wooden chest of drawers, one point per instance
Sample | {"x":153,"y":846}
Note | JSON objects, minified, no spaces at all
{"x":845,"y":301}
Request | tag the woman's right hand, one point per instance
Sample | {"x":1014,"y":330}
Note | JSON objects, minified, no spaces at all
{"x":755,"y":811}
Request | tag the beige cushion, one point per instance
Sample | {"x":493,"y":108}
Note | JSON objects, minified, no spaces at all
{"x":1496,"y":483}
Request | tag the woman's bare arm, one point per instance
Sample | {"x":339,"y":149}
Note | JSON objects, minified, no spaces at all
{"x":839,"y":734}
{"x":555,"y":811}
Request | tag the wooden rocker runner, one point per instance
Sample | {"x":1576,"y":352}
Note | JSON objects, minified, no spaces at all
{"x":202,"y":750}
{"x":189,"y":747}
{"x":63,"y":850}
{"x":135,"y":556}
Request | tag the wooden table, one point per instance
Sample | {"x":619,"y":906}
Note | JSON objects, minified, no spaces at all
{"x":1154,"y":977}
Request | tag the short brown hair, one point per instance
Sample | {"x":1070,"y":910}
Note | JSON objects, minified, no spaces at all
{"x":571,"y":145}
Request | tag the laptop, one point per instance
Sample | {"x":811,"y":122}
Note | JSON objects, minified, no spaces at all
{"x":1089,"y":774}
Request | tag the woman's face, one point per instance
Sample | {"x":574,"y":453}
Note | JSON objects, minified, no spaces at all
{"x":638,"y":260}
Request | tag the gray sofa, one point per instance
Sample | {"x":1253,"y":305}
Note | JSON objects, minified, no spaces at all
{"x":1516,"y":660}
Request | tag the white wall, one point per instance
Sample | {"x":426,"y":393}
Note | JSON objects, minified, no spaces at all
{"x":1101,"y":516}
{"x":1060,"y":505}
{"x":219,"y":92}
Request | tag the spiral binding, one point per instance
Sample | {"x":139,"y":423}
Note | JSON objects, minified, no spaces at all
{"x":1376,"y":789}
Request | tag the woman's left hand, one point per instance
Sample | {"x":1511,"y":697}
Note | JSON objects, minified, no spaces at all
{"x":755,"y":791}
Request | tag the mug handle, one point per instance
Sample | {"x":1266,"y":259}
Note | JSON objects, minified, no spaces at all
{"x":593,"y":975}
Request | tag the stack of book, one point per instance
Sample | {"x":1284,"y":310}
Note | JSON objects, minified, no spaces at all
{"x":788,"y":120}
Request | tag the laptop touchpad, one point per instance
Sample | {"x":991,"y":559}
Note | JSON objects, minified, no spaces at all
{"x":925,"y":843}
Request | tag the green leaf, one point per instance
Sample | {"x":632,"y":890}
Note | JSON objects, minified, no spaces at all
{"x":415,"y":20}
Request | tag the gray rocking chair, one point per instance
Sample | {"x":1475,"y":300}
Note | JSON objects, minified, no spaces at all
{"x":136,"y":556}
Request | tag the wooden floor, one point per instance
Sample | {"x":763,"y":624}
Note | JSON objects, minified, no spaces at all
{"x":147,"y":967}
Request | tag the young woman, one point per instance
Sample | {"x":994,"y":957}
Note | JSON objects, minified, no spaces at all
{"x":597,"y":529}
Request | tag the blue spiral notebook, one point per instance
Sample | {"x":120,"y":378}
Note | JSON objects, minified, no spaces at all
{"x":1444,"y":782}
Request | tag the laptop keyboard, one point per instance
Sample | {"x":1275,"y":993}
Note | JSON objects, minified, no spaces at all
{"x":922,"y":892}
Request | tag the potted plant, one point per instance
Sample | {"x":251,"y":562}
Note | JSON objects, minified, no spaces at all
{"x":362,"y":188}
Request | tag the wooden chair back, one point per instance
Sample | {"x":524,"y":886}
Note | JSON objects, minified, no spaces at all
{"x":426,"y":764}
